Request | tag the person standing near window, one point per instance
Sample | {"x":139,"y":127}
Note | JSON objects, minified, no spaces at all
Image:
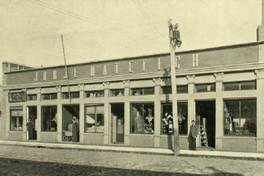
{"x":30,"y":128}
{"x":192,"y":135}
{"x":75,"y":129}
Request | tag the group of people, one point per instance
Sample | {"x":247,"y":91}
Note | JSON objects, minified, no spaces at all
{"x":32,"y":133}
{"x":193,"y":133}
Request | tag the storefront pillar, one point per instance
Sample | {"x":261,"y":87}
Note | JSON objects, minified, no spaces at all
{"x":38,"y":120}
{"x":106,"y":113}
{"x":81,"y":113}
{"x":8,"y":115}
{"x":24,"y":122}
{"x":127,"y":112}
{"x":191,"y":102}
{"x":260,"y":110}
{"x":157,"y":111}
{"x":59,"y":116}
{"x":219,"y":116}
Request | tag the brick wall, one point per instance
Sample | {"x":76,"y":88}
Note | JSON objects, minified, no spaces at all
{"x":207,"y":58}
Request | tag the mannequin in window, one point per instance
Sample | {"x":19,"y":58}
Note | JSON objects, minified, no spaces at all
{"x":149,"y":122}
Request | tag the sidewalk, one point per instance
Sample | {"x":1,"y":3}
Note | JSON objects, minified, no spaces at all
{"x":30,"y":158}
{"x":204,"y":153}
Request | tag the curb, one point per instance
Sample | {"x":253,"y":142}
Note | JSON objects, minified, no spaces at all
{"x":221,"y":154}
{"x":101,"y":148}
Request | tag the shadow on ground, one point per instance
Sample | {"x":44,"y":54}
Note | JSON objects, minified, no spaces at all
{"x":14,"y":167}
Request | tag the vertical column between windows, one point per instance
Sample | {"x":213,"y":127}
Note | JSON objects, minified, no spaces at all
{"x":75,"y":73}
{"x":104,"y":69}
{"x":130,"y":63}
{"x":44,"y":75}
{"x":54,"y":74}
{"x":159,"y":64}
{"x":36,"y":76}
{"x":116,"y":68}
{"x":92,"y":73}
{"x":143,"y":65}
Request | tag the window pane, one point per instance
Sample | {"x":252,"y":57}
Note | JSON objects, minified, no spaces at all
{"x":142,"y":91}
{"x":142,"y":118}
{"x":94,"y":118}
{"x":32,"y":97}
{"x":94,"y":94}
{"x":117,"y":92}
{"x":148,"y":91}
{"x":210,"y":87}
{"x":50,"y":96}
{"x":49,"y":118}
{"x":231,"y":86}
{"x":182,"y":89}
{"x":16,"y":119}
{"x":100,"y":123}
{"x":247,"y":85}
{"x":65,"y":95}
{"x":137,"y":92}
{"x":90,"y":123}
{"x":167,"y":120}
{"x":240,"y":117}
{"x":90,"y":109}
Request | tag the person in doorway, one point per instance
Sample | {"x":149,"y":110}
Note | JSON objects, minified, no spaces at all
{"x":192,"y":135}
{"x":75,"y":129}
{"x":31,"y":129}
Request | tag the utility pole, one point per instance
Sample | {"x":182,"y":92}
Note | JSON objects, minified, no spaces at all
{"x":175,"y":41}
{"x":66,"y":67}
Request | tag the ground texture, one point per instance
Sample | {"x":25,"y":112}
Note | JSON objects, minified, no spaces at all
{"x":18,"y":161}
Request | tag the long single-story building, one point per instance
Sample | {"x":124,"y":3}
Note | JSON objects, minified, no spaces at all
{"x":126,"y":101}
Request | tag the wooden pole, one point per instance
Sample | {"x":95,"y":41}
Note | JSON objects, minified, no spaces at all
{"x":66,"y":68}
{"x":174,"y":96}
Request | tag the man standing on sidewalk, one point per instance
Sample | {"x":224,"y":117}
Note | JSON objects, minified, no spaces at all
{"x":192,"y":135}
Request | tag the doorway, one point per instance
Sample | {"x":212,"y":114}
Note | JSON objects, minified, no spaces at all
{"x":31,"y":123}
{"x":205,"y":114}
{"x":70,"y":123}
{"x":117,"y":123}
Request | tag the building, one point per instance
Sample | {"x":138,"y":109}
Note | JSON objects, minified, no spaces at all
{"x":124,"y":101}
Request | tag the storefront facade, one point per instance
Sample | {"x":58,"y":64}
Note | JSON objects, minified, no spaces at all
{"x":124,"y":101}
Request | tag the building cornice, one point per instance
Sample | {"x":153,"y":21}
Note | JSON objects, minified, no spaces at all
{"x":149,"y":75}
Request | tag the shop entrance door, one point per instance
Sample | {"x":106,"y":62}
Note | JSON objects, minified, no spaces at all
{"x":70,"y":123}
{"x":205,"y":113}
{"x":31,"y":122}
{"x":117,"y":123}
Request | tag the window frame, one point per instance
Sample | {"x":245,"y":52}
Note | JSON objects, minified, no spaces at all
{"x":50,"y":96}
{"x":94,"y":106}
{"x":94,"y":92}
{"x":213,"y":88}
{"x":143,"y":90}
{"x":162,"y":113}
{"x":42,"y":119}
{"x":240,"y":111}
{"x":18,"y":108}
{"x":239,"y":85}
{"x":143,"y":118}
{"x":65,"y":95}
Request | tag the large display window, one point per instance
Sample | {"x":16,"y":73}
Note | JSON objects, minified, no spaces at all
{"x":49,"y":118}
{"x":167,"y":119}
{"x":240,"y":117}
{"x":94,"y":119}
{"x":142,"y":118}
{"x":16,"y":119}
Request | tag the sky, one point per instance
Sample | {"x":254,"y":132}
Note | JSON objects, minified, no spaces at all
{"x":30,"y":30}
